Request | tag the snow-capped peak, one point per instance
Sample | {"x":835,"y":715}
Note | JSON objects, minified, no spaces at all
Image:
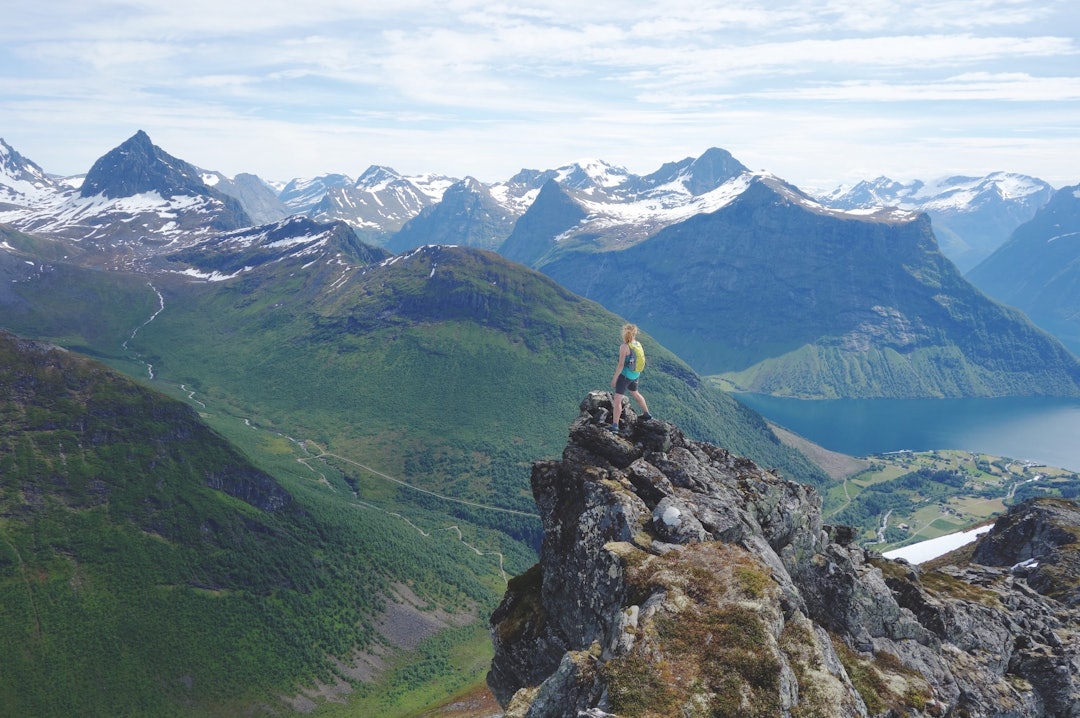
{"x":376,"y":178}
{"x":22,"y":182}
{"x":955,"y":193}
{"x":591,"y":173}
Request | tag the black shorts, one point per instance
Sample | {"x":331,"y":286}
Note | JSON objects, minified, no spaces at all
{"x":622,"y":383}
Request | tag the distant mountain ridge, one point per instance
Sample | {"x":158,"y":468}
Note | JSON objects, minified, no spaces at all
{"x":135,"y":200}
{"x":469,"y":213}
{"x":972,"y":216}
{"x":21,"y":180}
{"x":479,"y":215}
{"x":258,"y":198}
{"x":376,"y":204}
{"x":592,"y":225}
{"x":782,"y":295}
{"x":1038,"y":269}
{"x":230,"y":254}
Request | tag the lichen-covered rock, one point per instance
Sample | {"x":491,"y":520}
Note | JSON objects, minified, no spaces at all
{"x":676,"y":579}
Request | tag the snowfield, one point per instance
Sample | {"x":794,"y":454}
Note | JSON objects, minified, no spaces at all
{"x":927,"y":550}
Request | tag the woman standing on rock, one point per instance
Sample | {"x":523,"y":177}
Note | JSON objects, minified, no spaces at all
{"x":629,"y":367}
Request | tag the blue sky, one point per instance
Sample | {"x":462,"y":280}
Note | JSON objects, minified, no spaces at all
{"x":819,"y":92}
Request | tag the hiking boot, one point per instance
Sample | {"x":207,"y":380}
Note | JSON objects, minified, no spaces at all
{"x":646,"y":416}
{"x":613,"y":428}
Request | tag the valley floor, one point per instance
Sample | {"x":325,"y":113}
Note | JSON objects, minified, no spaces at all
{"x":904,"y":498}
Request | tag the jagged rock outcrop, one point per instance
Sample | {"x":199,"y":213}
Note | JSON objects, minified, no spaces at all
{"x":676,"y":579}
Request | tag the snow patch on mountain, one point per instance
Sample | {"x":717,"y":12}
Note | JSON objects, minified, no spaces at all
{"x":511,"y":198}
{"x":661,"y":207}
{"x":932,"y":548}
{"x":1063,"y":236}
{"x":212,"y":276}
{"x":625,"y":217}
{"x":591,"y":174}
{"x":60,"y":212}
{"x":377,"y":178}
{"x":22,"y":182}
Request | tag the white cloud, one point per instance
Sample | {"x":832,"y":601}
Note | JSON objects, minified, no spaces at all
{"x":1006,"y":87}
{"x":462,"y":87}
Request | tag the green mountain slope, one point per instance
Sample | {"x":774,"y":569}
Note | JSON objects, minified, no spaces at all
{"x":43,"y":293}
{"x":416,"y":390}
{"x":451,"y":365}
{"x":777,"y":295}
{"x":147,"y":568}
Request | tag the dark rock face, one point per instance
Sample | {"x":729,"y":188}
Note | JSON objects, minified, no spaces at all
{"x":678,"y":579}
{"x":467,"y":214}
{"x":552,"y":213}
{"x":138,"y":166}
{"x":1041,"y":542}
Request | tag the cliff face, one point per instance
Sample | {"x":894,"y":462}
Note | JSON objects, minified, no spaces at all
{"x":678,"y":579}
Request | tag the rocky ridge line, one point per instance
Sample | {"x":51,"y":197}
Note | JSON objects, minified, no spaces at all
{"x":678,"y":579}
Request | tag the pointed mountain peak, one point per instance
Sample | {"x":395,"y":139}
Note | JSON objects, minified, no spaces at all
{"x":701,"y":175}
{"x":376,"y":177}
{"x":137,"y":166}
{"x":140,"y":140}
{"x":536,"y":232}
{"x":712,"y":169}
{"x":470,"y":184}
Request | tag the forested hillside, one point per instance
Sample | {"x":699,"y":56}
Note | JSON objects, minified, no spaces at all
{"x":147,"y":567}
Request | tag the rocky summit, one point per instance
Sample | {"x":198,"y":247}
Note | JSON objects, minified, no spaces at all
{"x":677,"y":579}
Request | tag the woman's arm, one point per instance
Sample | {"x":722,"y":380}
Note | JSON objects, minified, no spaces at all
{"x":624,"y":349}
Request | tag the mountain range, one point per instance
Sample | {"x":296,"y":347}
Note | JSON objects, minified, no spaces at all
{"x":772,"y":292}
{"x":409,"y":370}
{"x":972,"y":216}
{"x":585,"y":223}
{"x":395,"y":398}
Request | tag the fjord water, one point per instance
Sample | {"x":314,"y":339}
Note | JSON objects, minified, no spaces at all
{"x":1040,"y":429}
